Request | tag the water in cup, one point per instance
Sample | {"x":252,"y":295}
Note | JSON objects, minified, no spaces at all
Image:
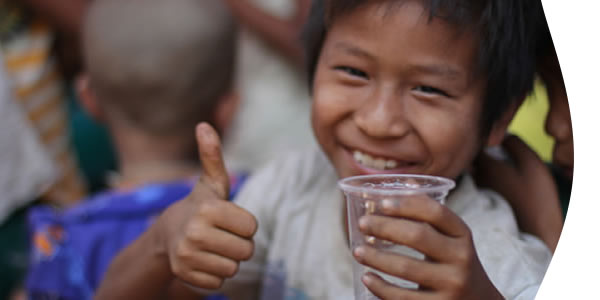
{"x":364,"y":195}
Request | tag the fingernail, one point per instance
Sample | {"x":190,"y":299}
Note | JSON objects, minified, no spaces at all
{"x":367,"y":279}
{"x":388,"y":204}
{"x":363,"y":223}
{"x":359,"y":251}
{"x":201,"y":127}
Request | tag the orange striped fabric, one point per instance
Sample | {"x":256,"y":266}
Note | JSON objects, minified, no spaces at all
{"x":37,"y":84}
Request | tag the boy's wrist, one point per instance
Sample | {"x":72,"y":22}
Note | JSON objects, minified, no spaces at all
{"x":140,"y":271}
{"x":493,"y":292}
{"x":497,"y":295}
{"x":157,"y":237}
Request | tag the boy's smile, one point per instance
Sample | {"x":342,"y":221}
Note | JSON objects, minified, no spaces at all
{"x":395,"y":93}
{"x":368,"y":156}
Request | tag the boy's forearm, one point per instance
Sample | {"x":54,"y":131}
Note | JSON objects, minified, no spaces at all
{"x":141,"y":271}
{"x":542,"y":219}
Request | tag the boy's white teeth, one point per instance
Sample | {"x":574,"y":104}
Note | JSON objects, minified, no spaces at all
{"x":390,"y":164}
{"x":372,"y":162}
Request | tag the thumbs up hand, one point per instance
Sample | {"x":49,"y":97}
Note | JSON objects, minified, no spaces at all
{"x":204,"y":236}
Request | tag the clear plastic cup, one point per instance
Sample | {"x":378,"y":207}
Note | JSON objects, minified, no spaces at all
{"x":364,"y":195}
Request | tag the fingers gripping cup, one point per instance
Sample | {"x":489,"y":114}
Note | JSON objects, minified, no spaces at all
{"x":364,"y":195}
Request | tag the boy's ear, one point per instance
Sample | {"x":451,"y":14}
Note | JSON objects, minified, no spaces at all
{"x":226,"y":110}
{"x":87,"y":99}
{"x":500,"y":127}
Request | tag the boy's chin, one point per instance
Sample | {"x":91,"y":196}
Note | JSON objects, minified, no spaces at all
{"x":358,"y":170}
{"x":566,"y":172}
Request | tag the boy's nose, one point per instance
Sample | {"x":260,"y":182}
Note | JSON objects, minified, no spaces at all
{"x":558,"y":125}
{"x":382,"y":116}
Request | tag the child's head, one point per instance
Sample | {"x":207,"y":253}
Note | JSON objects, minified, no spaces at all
{"x":409,"y":86}
{"x":558,"y":121}
{"x":159,"y":67}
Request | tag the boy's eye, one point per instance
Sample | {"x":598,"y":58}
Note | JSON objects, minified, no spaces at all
{"x":430,"y":90}
{"x":352,"y":71}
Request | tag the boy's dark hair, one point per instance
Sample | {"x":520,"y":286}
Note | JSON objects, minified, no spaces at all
{"x":506,"y":30}
{"x":547,"y":59}
{"x":161,"y":66}
{"x":545,"y":45}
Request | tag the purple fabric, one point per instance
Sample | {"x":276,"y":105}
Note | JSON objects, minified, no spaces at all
{"x":72,"y":250}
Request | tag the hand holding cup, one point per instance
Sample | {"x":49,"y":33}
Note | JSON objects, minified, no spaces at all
{"x":411,"y":246}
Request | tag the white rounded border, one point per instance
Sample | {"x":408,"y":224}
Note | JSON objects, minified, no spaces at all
{"x":575,"y":27}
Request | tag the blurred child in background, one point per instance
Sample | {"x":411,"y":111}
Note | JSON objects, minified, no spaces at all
{"x":539,"y":194}
{"x":34,"y":82}
{"x":154,"y":70}
{"x":26,"y":41}
{"x":558,"y":123}
{"x":90,"y":140}
{"x":26,"y":171}
{"x":274,"y":114}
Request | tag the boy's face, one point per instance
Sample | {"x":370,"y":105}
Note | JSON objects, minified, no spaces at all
{"x":395,"y":93}
{"x":558,"y":121}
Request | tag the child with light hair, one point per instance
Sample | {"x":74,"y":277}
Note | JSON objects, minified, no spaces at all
{"x":154,"y":70}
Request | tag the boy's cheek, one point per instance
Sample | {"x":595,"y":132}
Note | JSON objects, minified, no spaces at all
{"x":450,"y":152}
{"x":329,"y":109}
{"x":332,"y":100}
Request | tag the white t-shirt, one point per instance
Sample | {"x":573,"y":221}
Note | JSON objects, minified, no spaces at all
{"x":301,"y":250}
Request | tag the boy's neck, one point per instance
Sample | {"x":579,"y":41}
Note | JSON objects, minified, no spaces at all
{"x":133,"y":175}
{"x":145,"y":159}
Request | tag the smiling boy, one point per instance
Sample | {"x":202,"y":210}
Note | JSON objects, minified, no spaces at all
{"x":414,"y":87}
{"x":418,"y":111}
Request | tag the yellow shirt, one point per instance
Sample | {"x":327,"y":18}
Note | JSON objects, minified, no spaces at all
{"x":530,"y":120}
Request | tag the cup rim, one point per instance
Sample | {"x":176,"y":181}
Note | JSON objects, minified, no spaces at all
{"x":446,"y":184}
